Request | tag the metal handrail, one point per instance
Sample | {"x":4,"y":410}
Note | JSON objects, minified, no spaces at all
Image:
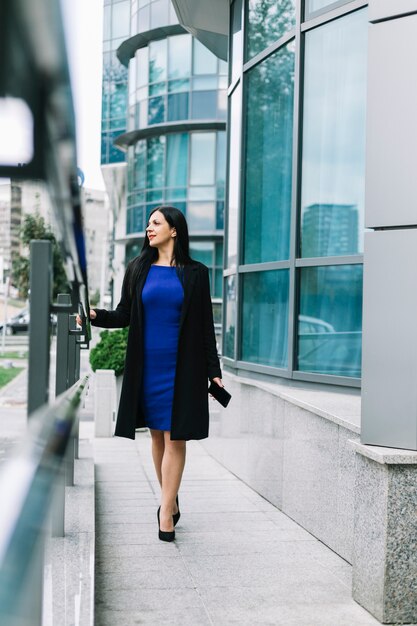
{"x":27,"y":484}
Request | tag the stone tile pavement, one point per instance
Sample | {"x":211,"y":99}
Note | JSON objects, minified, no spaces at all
{"x":236,"y":558}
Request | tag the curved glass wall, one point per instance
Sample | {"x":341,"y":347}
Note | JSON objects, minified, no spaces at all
{"x":295,"y":189}
{"x":184,"y":169}
{"x":149,"y":14}
{"x":173,"y":79}
{"x":114,"y":88}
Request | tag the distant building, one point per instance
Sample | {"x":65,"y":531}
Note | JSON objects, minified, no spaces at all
{"x":330,"y":230}
{"x":96,"y":228}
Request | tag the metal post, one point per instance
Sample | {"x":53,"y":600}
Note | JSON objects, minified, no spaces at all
{"x":72,"y":339}
{"x":39,"y":329}
{"x":62,"y":333}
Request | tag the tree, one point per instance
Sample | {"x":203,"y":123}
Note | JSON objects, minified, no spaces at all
{"x":35,"y":227}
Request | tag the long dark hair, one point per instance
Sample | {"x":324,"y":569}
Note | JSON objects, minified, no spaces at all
{"x":149,"y":255}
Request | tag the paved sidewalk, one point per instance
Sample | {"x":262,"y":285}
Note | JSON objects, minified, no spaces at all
{"x":236,"y":558}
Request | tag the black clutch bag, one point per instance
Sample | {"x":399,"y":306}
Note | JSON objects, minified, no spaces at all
{"x":220,"y":394}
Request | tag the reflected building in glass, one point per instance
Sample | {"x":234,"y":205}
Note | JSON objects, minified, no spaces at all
{"x":173,"y":138}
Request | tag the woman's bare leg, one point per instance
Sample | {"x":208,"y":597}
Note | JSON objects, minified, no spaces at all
{"x":172,"y":467}
{"x":158,"y":447}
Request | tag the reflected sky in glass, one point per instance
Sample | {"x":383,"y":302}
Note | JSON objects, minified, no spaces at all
{"x":333,"y":161}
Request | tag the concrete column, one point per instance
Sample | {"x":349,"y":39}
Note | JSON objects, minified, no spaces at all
{"x":104,"y":399}
{"x":385,"y":533}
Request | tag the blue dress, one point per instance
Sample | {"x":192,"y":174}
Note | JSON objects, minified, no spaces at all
{"x":162,"y":298}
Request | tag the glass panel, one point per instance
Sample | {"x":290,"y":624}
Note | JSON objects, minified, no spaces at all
{"x":201,"y":215}
{"x":177,"y":106}
{"x":221,"y":104}
{"x":264,"y":335}
{"x":115,"y":155}
{"x":177,"y":161}
{"x":156,"y":110}
{"x":107,"y":22}
{"x":155,"y":195}
{"x":140,"y":165}
{"x":178,"y":85}
{"x":203,"y":252}
{"x":205,"y":82}
{"x":176,"y":194}
{"x":157,"y":61}
{"x":142,"y":57}
{"x":236,"y":48}
{"x":179,"y":57}
{"x":316,"y":5}
{"x":221,"y":158}
{"x":269,"y":158}
{"x":268,"y":20}
{"x":218,"y":284}
{"x":265,"y":317}
{"x":118,"y":101}
{"x":219,"y":254}
{"x":204,"y":105}
{"x":203,"y":147}
{"x":204,"y":61}
{"x":330,"y":321}
{"x":202,"y":193}
{"x":138,"y":219}
{"x":235,"y":120}
{"x":156,"y":88}
{"x":333,"y":165}
{"x":142,"y":114}
{"x":230,"y":316}
{"x":144,"y":19}
{"x":121,"y":19}
{"x":220,"y":214}
{"x":159,"y":13}
{"x":156,"y":162}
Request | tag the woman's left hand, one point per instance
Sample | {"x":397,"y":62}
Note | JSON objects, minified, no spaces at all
{"x":218,"y":381}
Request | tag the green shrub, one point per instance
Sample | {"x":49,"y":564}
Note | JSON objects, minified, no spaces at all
{"x":109,"y":353}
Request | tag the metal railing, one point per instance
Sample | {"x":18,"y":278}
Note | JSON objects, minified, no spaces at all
{"x":29,"y":480}
{"x":35,"y":70}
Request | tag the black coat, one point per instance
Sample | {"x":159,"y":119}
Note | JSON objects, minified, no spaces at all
{"x":197,"y":359}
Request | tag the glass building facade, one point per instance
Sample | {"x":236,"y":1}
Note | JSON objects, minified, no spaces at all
{"x":175,"y":133}
{"x":114,"y":88}
{"x":295,"y":189}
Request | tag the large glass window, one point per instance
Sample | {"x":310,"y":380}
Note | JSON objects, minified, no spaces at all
{"x":155,"y":162}
{"x":177,"y":160}
{"x":268,"y":20}
{"x":121,"y":19}
{"x":204,"y":61}
{"x":330,"y":320}
{"x":268,"y":177}
{"x":157,"y":61}
{"x":203,"y":159}
{"x":179,"y":59}
{"x":264,"y":336}
{"x":333,"y":162}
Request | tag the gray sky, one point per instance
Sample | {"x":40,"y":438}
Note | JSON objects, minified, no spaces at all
{"x":83,"y":20}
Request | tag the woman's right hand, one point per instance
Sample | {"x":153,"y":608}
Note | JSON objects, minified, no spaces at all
{"x":93,"y":316}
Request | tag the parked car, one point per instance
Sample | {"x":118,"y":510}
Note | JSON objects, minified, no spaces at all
{"x":20,"y":323}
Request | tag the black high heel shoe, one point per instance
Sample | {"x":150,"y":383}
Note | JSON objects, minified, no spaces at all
{"x":177,"y":515}
{"x":164,"y":535}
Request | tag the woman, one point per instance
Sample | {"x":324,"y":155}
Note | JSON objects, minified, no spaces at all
{"x":171,"y":352}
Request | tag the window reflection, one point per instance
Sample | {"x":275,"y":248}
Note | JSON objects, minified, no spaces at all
{"x":264,"y":334}
{"x":330,"y":320}
{"x":268,"y":20}
{"x":203,"y":158}
{"x":230,"y":316}
{"x":269,"y":139}
{"x":333,"y":163}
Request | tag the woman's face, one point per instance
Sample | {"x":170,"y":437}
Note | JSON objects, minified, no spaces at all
{"x":159,"y":231}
